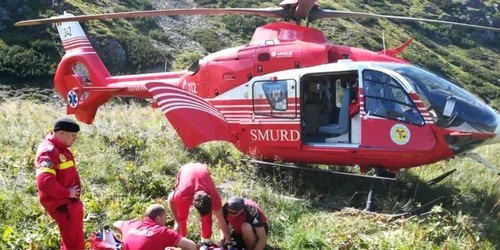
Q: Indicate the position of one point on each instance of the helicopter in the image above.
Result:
(289, 94)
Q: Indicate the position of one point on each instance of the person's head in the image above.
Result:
(66, 130)
(349, 80)
(235, 205)
(202, 203)
(157, 213)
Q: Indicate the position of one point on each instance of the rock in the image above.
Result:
(477, 17)
(179, 27)
(110, 49)
(476, 4)
(430, 9)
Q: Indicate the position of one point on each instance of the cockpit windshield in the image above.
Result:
(452, 107)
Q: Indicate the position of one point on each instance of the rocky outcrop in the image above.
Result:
(178, 28)
(111, 52)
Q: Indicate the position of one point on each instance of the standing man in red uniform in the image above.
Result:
(249, 223)
(151, 232)
(194, 186)
(58, 183)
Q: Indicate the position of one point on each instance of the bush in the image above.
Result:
(184, 60)
(24, 63)
(208, 39)
(141, 54)
(158, 35)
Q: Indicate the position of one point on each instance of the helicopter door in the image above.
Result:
(390, 118)
(271, 58)
(275, 120)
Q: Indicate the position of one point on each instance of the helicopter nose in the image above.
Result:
(497, 133)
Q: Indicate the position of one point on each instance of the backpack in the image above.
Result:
(97, 242)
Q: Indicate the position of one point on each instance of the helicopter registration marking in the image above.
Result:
(191, 86)
(400, 134)
(274, 135)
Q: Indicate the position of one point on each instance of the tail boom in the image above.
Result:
(84, 82)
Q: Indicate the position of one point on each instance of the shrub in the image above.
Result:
(141, 54)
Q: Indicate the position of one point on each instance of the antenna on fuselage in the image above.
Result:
(383, 40)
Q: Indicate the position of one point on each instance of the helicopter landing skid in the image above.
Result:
(414, 212)
(480, 159)
(388, 217)
(372, 179)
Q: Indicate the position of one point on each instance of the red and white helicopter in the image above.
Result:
(286, 94)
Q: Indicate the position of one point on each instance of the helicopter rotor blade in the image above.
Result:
(321, 13)
(268, 12)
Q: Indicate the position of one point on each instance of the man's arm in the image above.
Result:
(262, 238)
(186, 244)
(223, 225)
(46, 170)
(118, 225)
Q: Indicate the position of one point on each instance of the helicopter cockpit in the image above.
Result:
(450, 106)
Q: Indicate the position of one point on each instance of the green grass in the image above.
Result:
(129, 157)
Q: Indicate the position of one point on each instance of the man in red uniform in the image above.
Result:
(354, 105)
(151, 232)
(195, 186)
(58, 182)
(249, 223)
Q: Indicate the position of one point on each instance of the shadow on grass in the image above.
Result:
(407, 193)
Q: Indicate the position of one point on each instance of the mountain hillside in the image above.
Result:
(29, 55)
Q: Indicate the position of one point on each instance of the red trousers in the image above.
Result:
(70, 225)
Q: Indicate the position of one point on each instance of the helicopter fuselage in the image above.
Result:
(283, 96)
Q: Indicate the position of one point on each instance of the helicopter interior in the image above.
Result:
(325, 101)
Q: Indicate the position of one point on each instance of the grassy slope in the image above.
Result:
(129, 157)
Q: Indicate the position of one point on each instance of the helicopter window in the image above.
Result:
(384, 97)
(274, 94)
(339, 93)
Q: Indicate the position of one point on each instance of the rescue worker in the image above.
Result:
(58, 182)
(151, 233)
(194, 186)
(352, 81)
(249, 223)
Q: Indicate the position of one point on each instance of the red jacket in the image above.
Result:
(55, 172)
(252, 214)
(147, 235)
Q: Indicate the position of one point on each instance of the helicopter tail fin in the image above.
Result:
(393, 52)
(80, 67)
(195, 120)
(72, 36)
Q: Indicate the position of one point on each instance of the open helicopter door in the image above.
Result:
(390, 117)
